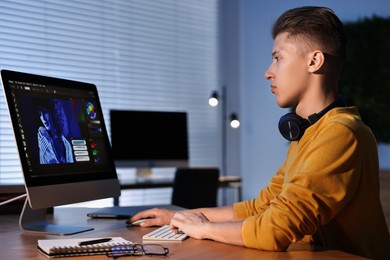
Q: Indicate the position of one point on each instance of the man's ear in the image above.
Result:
(316, 61)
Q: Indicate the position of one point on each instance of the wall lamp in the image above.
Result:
(233, 121)
(214, 100)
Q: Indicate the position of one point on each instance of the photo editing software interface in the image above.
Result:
(56, 129)
(61, 132)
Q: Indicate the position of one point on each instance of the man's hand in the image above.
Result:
(154, 217)
(191, 223)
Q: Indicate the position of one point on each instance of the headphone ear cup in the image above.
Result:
(292, 126)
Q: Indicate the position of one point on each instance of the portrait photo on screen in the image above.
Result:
(60, 131)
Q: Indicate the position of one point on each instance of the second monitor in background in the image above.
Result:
(149, 139)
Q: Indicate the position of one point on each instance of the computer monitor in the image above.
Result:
(149, 139)
(63, 146)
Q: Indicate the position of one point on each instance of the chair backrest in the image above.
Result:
(195, 187)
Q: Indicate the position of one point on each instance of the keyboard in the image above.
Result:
(164, 233)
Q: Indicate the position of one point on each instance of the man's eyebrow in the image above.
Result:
(275, 52)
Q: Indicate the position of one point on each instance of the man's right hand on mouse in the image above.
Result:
(153, 217)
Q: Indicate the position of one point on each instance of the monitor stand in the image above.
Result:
(34, 220)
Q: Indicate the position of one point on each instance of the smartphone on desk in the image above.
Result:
(114, 212)
(126, 212)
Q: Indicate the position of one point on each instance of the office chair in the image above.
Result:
(195, 187)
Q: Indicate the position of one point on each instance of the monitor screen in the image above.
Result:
(62, 140)
(148, 139)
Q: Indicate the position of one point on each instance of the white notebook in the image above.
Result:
(71, 247)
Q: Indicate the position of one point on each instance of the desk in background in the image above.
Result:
(16, 244)
(133, 183)
(167, 181)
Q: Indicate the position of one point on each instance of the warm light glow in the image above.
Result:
(213, 102)
(235, 123)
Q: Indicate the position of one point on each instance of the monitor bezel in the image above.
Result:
(109, 171)
(51, 191)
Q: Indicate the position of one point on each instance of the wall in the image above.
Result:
(262, 147)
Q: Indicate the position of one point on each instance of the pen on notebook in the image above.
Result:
(96, 241)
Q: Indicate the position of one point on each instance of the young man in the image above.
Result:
(327, 190)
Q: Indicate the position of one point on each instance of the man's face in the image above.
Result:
(288, 72)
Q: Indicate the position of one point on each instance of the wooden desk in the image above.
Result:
(149, 183)
(16, 244)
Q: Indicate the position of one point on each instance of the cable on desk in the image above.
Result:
(10, 200)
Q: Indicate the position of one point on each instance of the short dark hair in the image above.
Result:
(55, 108)
(317, 26)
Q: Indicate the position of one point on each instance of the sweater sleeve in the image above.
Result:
(257, 206)
(317, 184)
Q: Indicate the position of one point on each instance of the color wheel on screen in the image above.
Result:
(91, 110)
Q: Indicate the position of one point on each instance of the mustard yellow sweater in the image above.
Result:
(327, 190)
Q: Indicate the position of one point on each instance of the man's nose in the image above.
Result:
(267, 74)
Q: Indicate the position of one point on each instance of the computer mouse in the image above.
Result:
(135, 223)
